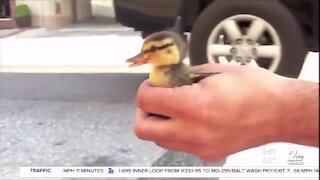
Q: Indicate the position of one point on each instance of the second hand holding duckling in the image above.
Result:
(165, 51)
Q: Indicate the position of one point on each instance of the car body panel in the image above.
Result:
(143, 13)
(155, 15)
(316, 24)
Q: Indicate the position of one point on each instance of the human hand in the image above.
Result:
(223, 114)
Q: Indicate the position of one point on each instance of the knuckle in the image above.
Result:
(201, 137)
(210, 158)
(142, 95)
(165, 145)
(204, 152)
(141, 132)
(210, 155)
(167, 135)
(140, 98)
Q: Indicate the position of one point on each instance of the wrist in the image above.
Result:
(271, 118)
(299, 115)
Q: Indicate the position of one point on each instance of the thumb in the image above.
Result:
(215, 67)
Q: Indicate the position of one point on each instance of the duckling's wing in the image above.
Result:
(196, 77)
(182, 74)
(178, 75)
(180, 79)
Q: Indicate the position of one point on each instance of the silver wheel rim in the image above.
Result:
(232, 43)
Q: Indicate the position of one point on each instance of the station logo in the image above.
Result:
(295, 157)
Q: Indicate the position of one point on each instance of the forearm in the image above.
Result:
(301, 112)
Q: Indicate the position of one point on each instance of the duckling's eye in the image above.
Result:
(153, 48)
(168, 51)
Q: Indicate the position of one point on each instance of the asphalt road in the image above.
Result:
(73, 120)
(81, 120)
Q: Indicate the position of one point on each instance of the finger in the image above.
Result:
(195, 149)
(153, 128)
(215, 81)
(217, 159)
(180, 146)
(171, 102)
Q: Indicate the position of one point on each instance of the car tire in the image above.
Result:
(148, 31)
(293, 47)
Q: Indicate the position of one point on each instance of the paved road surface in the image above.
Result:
(79, 121)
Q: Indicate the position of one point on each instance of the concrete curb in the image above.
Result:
(13, 33)
(25, 33)
(29, 33)
(109, 87)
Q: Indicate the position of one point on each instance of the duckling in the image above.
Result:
(165, 51)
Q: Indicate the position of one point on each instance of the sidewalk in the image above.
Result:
(91, 27)
(82, 49)
(10, 32)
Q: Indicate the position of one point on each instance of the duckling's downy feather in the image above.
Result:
(177, 39)
(170, 76)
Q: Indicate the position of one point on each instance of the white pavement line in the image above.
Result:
(95, 29)
(74, 69)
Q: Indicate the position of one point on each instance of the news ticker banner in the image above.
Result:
(301, 172)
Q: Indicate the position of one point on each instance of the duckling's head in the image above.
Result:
(163, 48)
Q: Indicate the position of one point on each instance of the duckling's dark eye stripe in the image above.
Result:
(155, 48)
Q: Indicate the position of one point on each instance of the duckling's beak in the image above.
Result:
(137, 60)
